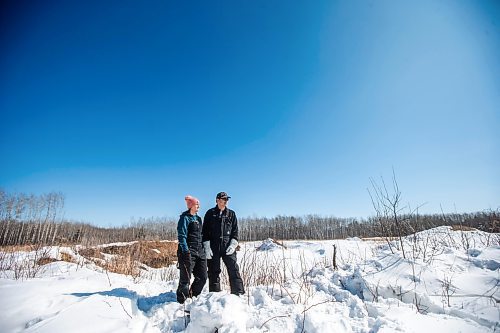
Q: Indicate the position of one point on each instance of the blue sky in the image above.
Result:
(290, 107)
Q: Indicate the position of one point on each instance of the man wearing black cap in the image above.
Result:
(220, 239)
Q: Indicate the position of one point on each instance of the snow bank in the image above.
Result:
(269, 245)
(448, 282)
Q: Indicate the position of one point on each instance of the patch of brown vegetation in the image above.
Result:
(67, 257)
(159, 254)
(457, 227)
(154, 254)
(379, 239)
(122, 265)
(129, 258)
(45, 261)
(19, 248)
(91, 252)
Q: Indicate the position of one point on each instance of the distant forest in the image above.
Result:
(31, 219)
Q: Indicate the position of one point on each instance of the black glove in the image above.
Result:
(186, 256)
(184, 259)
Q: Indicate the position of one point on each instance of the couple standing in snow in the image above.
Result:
(203, 245)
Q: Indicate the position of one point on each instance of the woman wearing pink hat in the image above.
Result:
(192, 258)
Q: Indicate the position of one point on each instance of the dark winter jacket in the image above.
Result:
(189, 233)
(219, 228)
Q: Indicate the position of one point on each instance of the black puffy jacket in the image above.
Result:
(219, 228)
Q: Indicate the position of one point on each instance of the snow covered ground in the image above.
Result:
(448, 281)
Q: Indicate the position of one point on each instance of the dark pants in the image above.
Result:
(198, 268)
(233, 271)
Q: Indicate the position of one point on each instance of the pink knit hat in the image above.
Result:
(191, 201)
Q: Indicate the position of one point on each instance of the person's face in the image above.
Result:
(222, 203)
(195, 208)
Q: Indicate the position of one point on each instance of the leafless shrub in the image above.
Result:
(282, 275)
(374, 291)
(448, 289)
(25, 265)
(123, 265)
(388, 208)
(308, 308)
(161, 274)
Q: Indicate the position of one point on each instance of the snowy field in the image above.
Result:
(447, 281)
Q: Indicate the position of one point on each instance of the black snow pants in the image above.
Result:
(235, 280)
(191, 265)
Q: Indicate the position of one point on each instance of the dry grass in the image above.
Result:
(154, 254)
(457, 227)
(18, 248)
(122, 265)
(45, 260)
(130, 258)
(127, 259)
(379, 239)
(90, 253)
(67, 257)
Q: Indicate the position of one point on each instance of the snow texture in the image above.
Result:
(448, 281)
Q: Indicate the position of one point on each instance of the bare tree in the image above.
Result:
(389, 211)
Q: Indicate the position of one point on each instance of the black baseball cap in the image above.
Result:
(222, 195)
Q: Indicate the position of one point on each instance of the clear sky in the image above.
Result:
(289, 106)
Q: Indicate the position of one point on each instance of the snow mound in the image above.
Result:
(218, 311)
(269, 245)
(445, 280)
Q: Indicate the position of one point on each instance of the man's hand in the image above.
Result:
(208, 250)
(232, 247)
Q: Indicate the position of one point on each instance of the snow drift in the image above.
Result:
(448, 281)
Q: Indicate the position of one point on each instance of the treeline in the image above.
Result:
(31, 219)
(158, 228)
(318, 227)
(38, 219)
